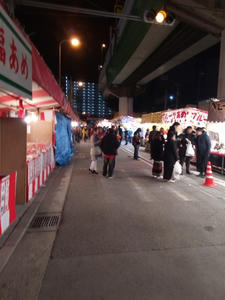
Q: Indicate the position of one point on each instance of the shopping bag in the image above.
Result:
(190, 151)
(177, 170)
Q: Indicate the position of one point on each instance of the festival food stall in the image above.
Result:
(151, 119)
(29, 94)
(40, 156)
(215, 129)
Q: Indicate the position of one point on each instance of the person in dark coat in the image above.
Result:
(126, 136)
(136, 142)
(174, 129)
(203, 147)
(157, 154)
(152, 133)
(170, 156)
(109, 146)
(183, 140)
(150, 137)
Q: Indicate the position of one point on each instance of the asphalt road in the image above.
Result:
(137, 238)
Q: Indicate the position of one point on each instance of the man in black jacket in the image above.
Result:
(203, 146)
(109, 146)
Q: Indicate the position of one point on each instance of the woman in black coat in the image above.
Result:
(170, 156)
(157, 154)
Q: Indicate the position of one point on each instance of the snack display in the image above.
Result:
(7, 200)
(40, 162)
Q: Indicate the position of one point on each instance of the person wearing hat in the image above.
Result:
(203, 147)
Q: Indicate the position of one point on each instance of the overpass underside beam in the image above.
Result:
(126, 106)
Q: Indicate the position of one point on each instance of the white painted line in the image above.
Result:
(145, 160)
(179, 195)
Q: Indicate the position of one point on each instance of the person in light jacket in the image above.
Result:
(95, 152)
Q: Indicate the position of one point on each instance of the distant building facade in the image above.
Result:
(86, 98)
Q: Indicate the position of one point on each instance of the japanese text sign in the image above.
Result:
(186, 117)
(15, 59)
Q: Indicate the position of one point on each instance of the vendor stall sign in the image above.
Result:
(217, 111)
(186, 117)
(15, 59)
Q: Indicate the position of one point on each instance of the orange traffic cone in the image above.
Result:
(209, 176)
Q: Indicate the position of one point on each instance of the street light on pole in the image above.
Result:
(103, 46)
(75, 42)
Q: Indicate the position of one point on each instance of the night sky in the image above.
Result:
(47, 28)
(195, 80)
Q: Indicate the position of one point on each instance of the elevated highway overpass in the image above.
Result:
(140, 52)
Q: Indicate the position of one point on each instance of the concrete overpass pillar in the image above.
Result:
(221, 80)
(126, 106)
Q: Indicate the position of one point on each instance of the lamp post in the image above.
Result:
(75, 42)
(103, 46)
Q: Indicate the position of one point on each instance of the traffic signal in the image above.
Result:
(159, 17)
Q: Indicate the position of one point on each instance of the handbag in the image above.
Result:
(97, 151)
(190, 151)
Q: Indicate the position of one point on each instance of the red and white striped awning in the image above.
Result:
(40, 99)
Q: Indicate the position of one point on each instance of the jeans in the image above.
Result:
(136, 149)
(108, 167)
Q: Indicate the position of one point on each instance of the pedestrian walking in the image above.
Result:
(109, 146)
(86, 134)
(186, 148)
(150, 137)
(170, 157)
(203, 147)
(152, 133)
(136, 142)
(157, 154)
(126, 136)
(95, 152)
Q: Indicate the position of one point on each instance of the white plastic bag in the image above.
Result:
(190, 151)
(177, 170)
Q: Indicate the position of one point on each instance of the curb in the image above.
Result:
(23, 223)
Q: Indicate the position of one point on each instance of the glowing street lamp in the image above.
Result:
(75, 42)
(103, 46)
(80, 84)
